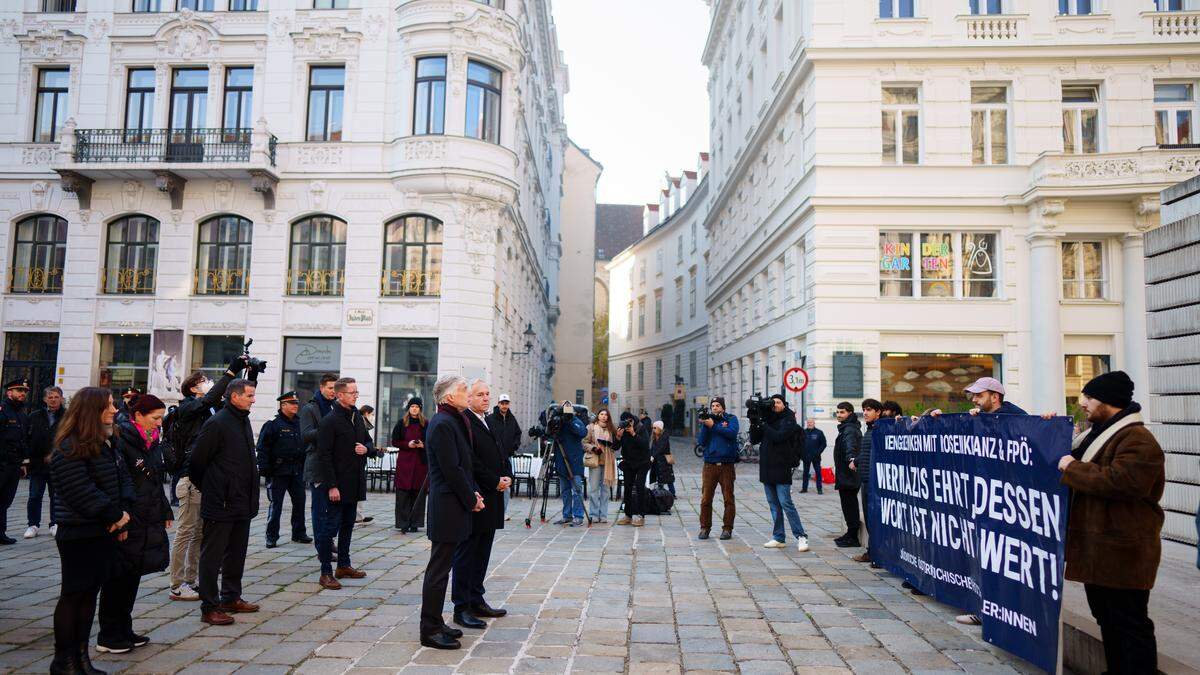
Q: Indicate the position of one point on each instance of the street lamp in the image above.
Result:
(529, 334)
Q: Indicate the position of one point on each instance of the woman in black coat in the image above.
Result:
(146, 549)
(93, 490)
(634, 442)
(661, 471)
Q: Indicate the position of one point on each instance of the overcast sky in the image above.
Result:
(639, 99)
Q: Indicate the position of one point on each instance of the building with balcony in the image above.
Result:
(369, 187)
(657, 327)
(906, 195)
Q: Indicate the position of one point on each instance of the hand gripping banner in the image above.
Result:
(969, 509)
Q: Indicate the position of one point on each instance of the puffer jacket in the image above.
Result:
(720, 443)
(661, 471)
(845, 448)
(146, 548)
(89, 494)
(862, 460)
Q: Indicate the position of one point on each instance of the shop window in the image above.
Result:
(407, 368)
(921, 382)
(305, 359)
(34, 357)
(124, 362)
(938, 264)
(212, 353)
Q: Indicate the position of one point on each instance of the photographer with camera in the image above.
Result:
(776, 433)
(571, 430)
(281, 461)
(718, 437)
(633, 439)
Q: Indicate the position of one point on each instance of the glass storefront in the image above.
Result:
(407, 368)
(919, 382)
(305, 360)
(124, 361)
(33, 356)
(212, 353)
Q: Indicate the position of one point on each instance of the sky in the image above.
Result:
(638, 100)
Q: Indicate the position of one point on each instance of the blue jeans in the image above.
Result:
(779, 496)
(572, 496)
(39, 484)
(330, 519)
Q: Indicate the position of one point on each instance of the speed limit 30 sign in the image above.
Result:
(795, 379)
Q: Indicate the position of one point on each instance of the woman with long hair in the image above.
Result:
(412, 466)
(93, 491)
(661, 471)
(598, 449)
(146, 548)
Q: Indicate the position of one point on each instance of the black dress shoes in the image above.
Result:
(271, 543)
(452, 632)
(468, 620)
(486, 610)
(302, 540)
(440, 641)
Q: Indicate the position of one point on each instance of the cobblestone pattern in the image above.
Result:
(600, 599)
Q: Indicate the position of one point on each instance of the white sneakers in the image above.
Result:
(772, 543)
(31, 532)
(184, 592)
(53, 530)
(801, 544)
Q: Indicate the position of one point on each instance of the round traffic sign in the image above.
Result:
(795, 379)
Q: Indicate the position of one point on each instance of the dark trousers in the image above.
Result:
(116, 608)
(39, 485)
(1125, 628)
(470, 567)
(849, 499)
(292, 486)
(223, 552)
(332, 519)
(813, 465)
(10, 478)
(635, 492)
(433, 588)
(410, 509)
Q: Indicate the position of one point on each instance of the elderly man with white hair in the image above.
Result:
(453, 496)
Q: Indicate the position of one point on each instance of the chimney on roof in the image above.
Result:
(664, 204)
(649, 218)
(689, 186)
(702, 166)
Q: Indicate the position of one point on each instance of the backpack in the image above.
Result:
(172, 445)
(798, 447)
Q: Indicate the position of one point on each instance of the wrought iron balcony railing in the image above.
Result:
(35, 280)
(316, 282)
(128, 281)
(195, 146)
(411, 282)
(221, 282)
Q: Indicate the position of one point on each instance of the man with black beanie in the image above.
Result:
(1116, 475)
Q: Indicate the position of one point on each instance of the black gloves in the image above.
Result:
(237, 364)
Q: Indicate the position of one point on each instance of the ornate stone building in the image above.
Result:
(365, 186)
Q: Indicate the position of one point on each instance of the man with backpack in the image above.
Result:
(778, 457)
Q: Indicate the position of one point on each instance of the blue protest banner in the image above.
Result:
(969, 509)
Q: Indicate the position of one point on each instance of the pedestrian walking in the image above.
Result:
(662, 466)
(600, 461)
(340, 482)
(778, 455)
(281, 461)
(453, 497)
(43, 424)
(508, 434)
(845, 448)
(92, 489)
(412, 467)
(718, 437)
(872, 410)
(814, 447)
(224, 469)
(633, 440)
(1116, 474)
(14, 448)
(145, 549)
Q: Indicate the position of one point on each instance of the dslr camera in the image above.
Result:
(253, 365)
(702, 413)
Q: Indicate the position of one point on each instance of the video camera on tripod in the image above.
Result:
(553, 417)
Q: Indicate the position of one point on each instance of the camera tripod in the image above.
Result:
(555, 449)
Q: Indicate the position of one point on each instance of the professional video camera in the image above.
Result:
(553, 417)
(757, 408)
(253, 364)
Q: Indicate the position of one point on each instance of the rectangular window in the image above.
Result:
(1075, 7)
(305, 359)
(139, 104)
(945, 264)
(189, 110)
(658, 310)
(629, 324)
(692, 293)
(692, 368)
(331, 4)
(641, 375)
(579, 396)
(678, 368)
(243, 5)
(58, 5)
(1174, 110)
(693, 237)
(51, 109)
(429, 101)
(1081, 119)
(211, 354)
(1083, 270)
(407, 369)
(239, 97)
(195, 5)
(989, 124)
(642, 316)
(124, 362)
(147, 5)
(678, 301)
(987, 6)
(628, 377)
(1176, 5)
(326, 89)
(483, 102)
(679, 249)
(901, 125)
(897, 9)
(658, 373)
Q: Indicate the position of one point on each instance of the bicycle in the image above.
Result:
(747, 451)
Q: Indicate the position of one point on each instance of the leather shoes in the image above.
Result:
(468, 620)
(216, 618)
(440, 641)
(348, 573)
(703, 534)
(726, 534)
(302, 540)
(452, 632)
(239, 606)
(271, 543)
(327, 581)
(486, 610)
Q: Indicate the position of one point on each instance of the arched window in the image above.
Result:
(39, 250)
(223, 256)
(317, 265)
(131, 257)
(412, 256)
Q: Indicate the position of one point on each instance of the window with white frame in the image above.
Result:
(678, 301)
(658, 310)
(989, 124)
(629, 324)
(641, 375)
(1176, 5)
(658, 373)
(642, 316)
(679, 249)
(987, 6)
(1078, 7)
(628, 377)
(678, 370)
(692, 292)
(939, 264)
(901, 125)
(658, 262)
(897, 9)
(1174, 110)
(1081, 119)
(693, 238)
(1083, 270)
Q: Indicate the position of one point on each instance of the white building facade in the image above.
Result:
(658, 331)
(905, 196)
(366, 187)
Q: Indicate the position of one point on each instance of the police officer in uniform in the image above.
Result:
(281, 461)
(14, 450)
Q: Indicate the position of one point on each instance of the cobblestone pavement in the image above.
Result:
(600, 599)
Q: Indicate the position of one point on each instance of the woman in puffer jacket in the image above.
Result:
(146, 549)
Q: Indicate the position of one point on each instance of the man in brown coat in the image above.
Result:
(1116, 475)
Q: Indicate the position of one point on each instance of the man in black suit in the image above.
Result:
(493, 475)
(453, 496)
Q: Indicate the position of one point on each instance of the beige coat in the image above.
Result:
(607, 458)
